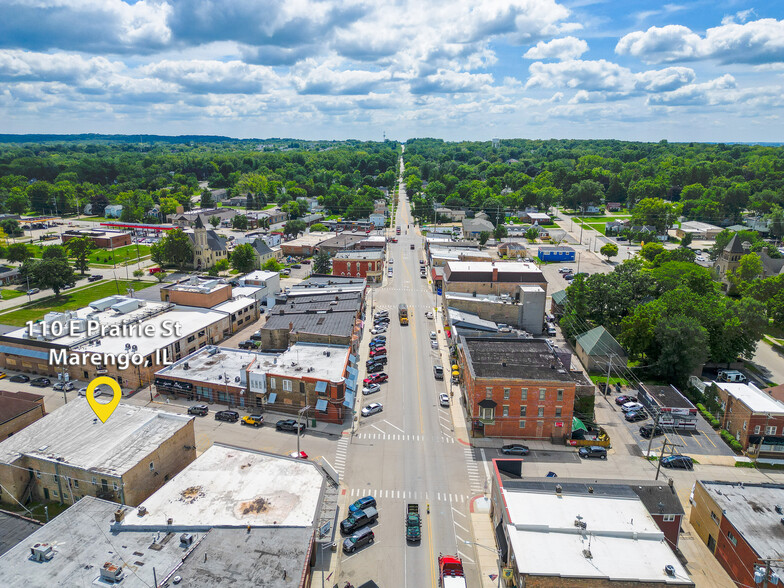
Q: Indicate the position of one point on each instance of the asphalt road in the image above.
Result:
(408, 452)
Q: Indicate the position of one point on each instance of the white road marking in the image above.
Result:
(461, 526)
(464, 556)
(458, 512)
(393, 426)
(377, 429)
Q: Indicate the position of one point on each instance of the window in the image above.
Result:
(756, 429)
(506, 393)
(770, 430)
(56, 478)
(487, 414)
(273, 384)
(191, 338)
(506, 410)
(733, 539)
(714, 517)
(558, 411)
(542, 392)
(524, 394)
(488, 392)
(95, 481)
(523, 410)
(76, 484)
(287, 385)
(55, 494)
(744, 425)
(669, 518)
(541, 411)
(522, 424)
(115, 486)
(559, 398)
(152, 466)
(38, 474)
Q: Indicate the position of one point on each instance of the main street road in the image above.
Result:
(408, 452)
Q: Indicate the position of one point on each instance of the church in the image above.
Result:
(208, 247)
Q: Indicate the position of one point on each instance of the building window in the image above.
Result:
(770, 430)
(669, 518)
(733, 539)
(95, 481)
(541, 411)
(542, 392)
(38, 474)
(522, 424)
(273, 384)
(56, 478)
(191, 338)
(76, 484)
(523, 410)
(287, 385)
(756, 429)
(559, 398)
(488, 392)
(487, 414)
(524, 394)
(506, 410)
(557, 411)
(506, 393)
(55, 494)
(744, 425)
(152, 466)
(714, 518)
(115, 486)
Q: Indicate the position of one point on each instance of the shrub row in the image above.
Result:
(714, 422)
(730, 440)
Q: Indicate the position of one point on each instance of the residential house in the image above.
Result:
(597, 349)
(113, 211)
(613, 207)
(472, 227)
(379, 219)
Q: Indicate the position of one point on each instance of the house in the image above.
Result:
(113, 211)
(261, 249)
(771, 266)
(18, 410)
(698, 230)
(555, 254)
(8, 275)
(123, 460)
(312, 219)
(516, 388)
(597, 349)
(613, 207)
(615, 227)
(512, 249)
(592, 209)
(585, 532)
(491, 277)
(101, 238)
(208, 247)
(230, 517)
(754, 418)
(363, 264)
(538, 218)
(472, 227)
(379, 219)
(741, 524)
(673, 408)
(204, 215)
(239, 201)
(451, 214)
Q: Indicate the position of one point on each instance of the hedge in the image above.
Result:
(714, 422)
(730, 440)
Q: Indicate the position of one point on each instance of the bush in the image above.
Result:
(138, 273)
(745, 464)
(730, 440)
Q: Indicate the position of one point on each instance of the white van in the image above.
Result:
(731, 376)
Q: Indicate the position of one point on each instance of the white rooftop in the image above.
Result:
(212, 363)
(297, 359)
(230, 486)
(753, 397)
(73, 433)
(700, 226)
(489, 266)
(258, 276)
(235, 304)
(624, 541)
(249, 291)
(199, 285)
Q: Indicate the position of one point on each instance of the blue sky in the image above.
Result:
(457, 69)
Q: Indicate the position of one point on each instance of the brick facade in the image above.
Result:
(370, 269)
(101, 239)
(187, 297)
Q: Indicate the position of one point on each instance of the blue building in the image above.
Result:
(556, 254)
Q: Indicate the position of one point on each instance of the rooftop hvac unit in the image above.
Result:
(185, 366)
(41, 552)
(111, 572)
(236, 378)
(186, 538)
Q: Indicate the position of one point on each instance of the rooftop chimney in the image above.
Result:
(495, 273)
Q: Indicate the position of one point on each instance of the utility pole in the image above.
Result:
(664, 446)
(653, 432)
(768, 571)
(607, 385)
(299, 422)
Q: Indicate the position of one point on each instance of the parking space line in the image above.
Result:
(376, 428)
(461, 526)
(464, 556)
(393, 426)
(458, 512)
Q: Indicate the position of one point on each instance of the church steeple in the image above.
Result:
(199, 224)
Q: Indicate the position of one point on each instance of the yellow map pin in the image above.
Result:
(103, 411)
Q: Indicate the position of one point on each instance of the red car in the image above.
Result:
(376, 379)
(378, 351)
(621, 400)
(155, 270)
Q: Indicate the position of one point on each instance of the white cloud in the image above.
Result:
(450, 82)
(28, 66)
(563, 49)
(323, 79)
(222, 77)
(756, 42)
(694, 94)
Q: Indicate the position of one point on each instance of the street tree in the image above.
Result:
(321, 263)
(79, 249)
(484, 236)
(243, 258)
(532, 234)
(240, 222)
(215, 221)
(294, 227)
(176, 248)
(650, 250)
(500, 231)
(52, 272)
(18, 252)
(272, 265)
(609, 250)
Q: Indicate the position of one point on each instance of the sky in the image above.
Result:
(696, 70)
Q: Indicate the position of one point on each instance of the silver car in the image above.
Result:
(371, 409)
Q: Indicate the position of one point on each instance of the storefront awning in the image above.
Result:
(272, 398)
(578, 425)
(321, 387)
(349, 401)
(352, 358)
(321, 405)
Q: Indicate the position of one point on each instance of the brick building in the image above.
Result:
(17, 410)
(362, 264)
(516, 388)
(69, 454)
(755, 418)
(101, 238)
(197, 291)
(490, 277)
(741, 524)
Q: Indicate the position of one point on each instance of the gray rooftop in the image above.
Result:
(668, 396)
(15, 528)
(210, 363)
(340, 324)
(526, 359)
(371, 254)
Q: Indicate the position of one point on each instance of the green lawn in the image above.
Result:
(70, 300)
(121, 255)
(9, 294)
(98, 219)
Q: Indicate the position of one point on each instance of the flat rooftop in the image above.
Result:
(308, 239)
(365, 254)
(234, 487)
(339, 324)
(668, 396)
(327, 362)
(482, 297)
(751, 510)
(527, 359)
(258, 276)
(235, 304)
(15, 528)
(72, 435)
(623, 539)
(327, 285)
(197, 285)
(753, 397)
(209, 364)
(482, 271)
(249, 291)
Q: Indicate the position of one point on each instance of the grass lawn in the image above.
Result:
(9, 294)
(97, 219)
(69, 300)
(37, 508)
(600, 379)
(121, 255)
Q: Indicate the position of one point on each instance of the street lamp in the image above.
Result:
(299, 422)
(494, 550)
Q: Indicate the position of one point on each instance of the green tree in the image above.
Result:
(160, 276)
(680, 347)
(321, 263)
(222, 265)
(319, 228)
(272, 265)
(79, 249)
(206, 201)
(687, 239)
(484, 236)
(500, 231)
(240, 222)
(609, 250)
(243, 258)
(673, 274)
(215, 221)
(138, 273)
(17, 201)
(775, 220)
(749, 268)
(176, 248)
(294, 227)
(19, 253)
(168, 206)
(11, 227)
(584, 193)
(52, 272)
(650, 250)
(532, 234)
(654, 212)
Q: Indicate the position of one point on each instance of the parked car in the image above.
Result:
(371, 389)
(289, 425)
(568, 277)
(362, 537)
(362, 504)
(621, 400)
(551, 332)
(593, 451)
(374, 361)
(253, 420)
(256, 336)
(296, 266)
(63, 386)
(21, 378)
(433, 336)
(298, 455)
(375, 379)
(3, 375)
(631, 406)
(378, 351)
(636, 415)
(229, 416)
(438, 372)
(429, 315)
(434, 344)
(96, 393)
(32, 291)
(247, 344)
(682, 462)
(649, 431)
(564, 270)
(199, 410)
(372, 409)
(375, 368)
(358, 519)
(514, 449)
(41, 382)
(378, 330)
(95, 278)
(443, 399)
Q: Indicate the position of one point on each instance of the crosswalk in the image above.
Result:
(475, 480)
(410, 495)
(403, 437)
(341, 455)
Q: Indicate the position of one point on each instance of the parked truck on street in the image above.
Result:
(413, 523)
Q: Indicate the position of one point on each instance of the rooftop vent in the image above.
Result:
(141, 511)
(185, 366)
(778, 509)
(669, 570)
(41, 552)
(579, 523)
(558, 489)
(119, 514)
(186, 538)
(111, 573)
(587, 554)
